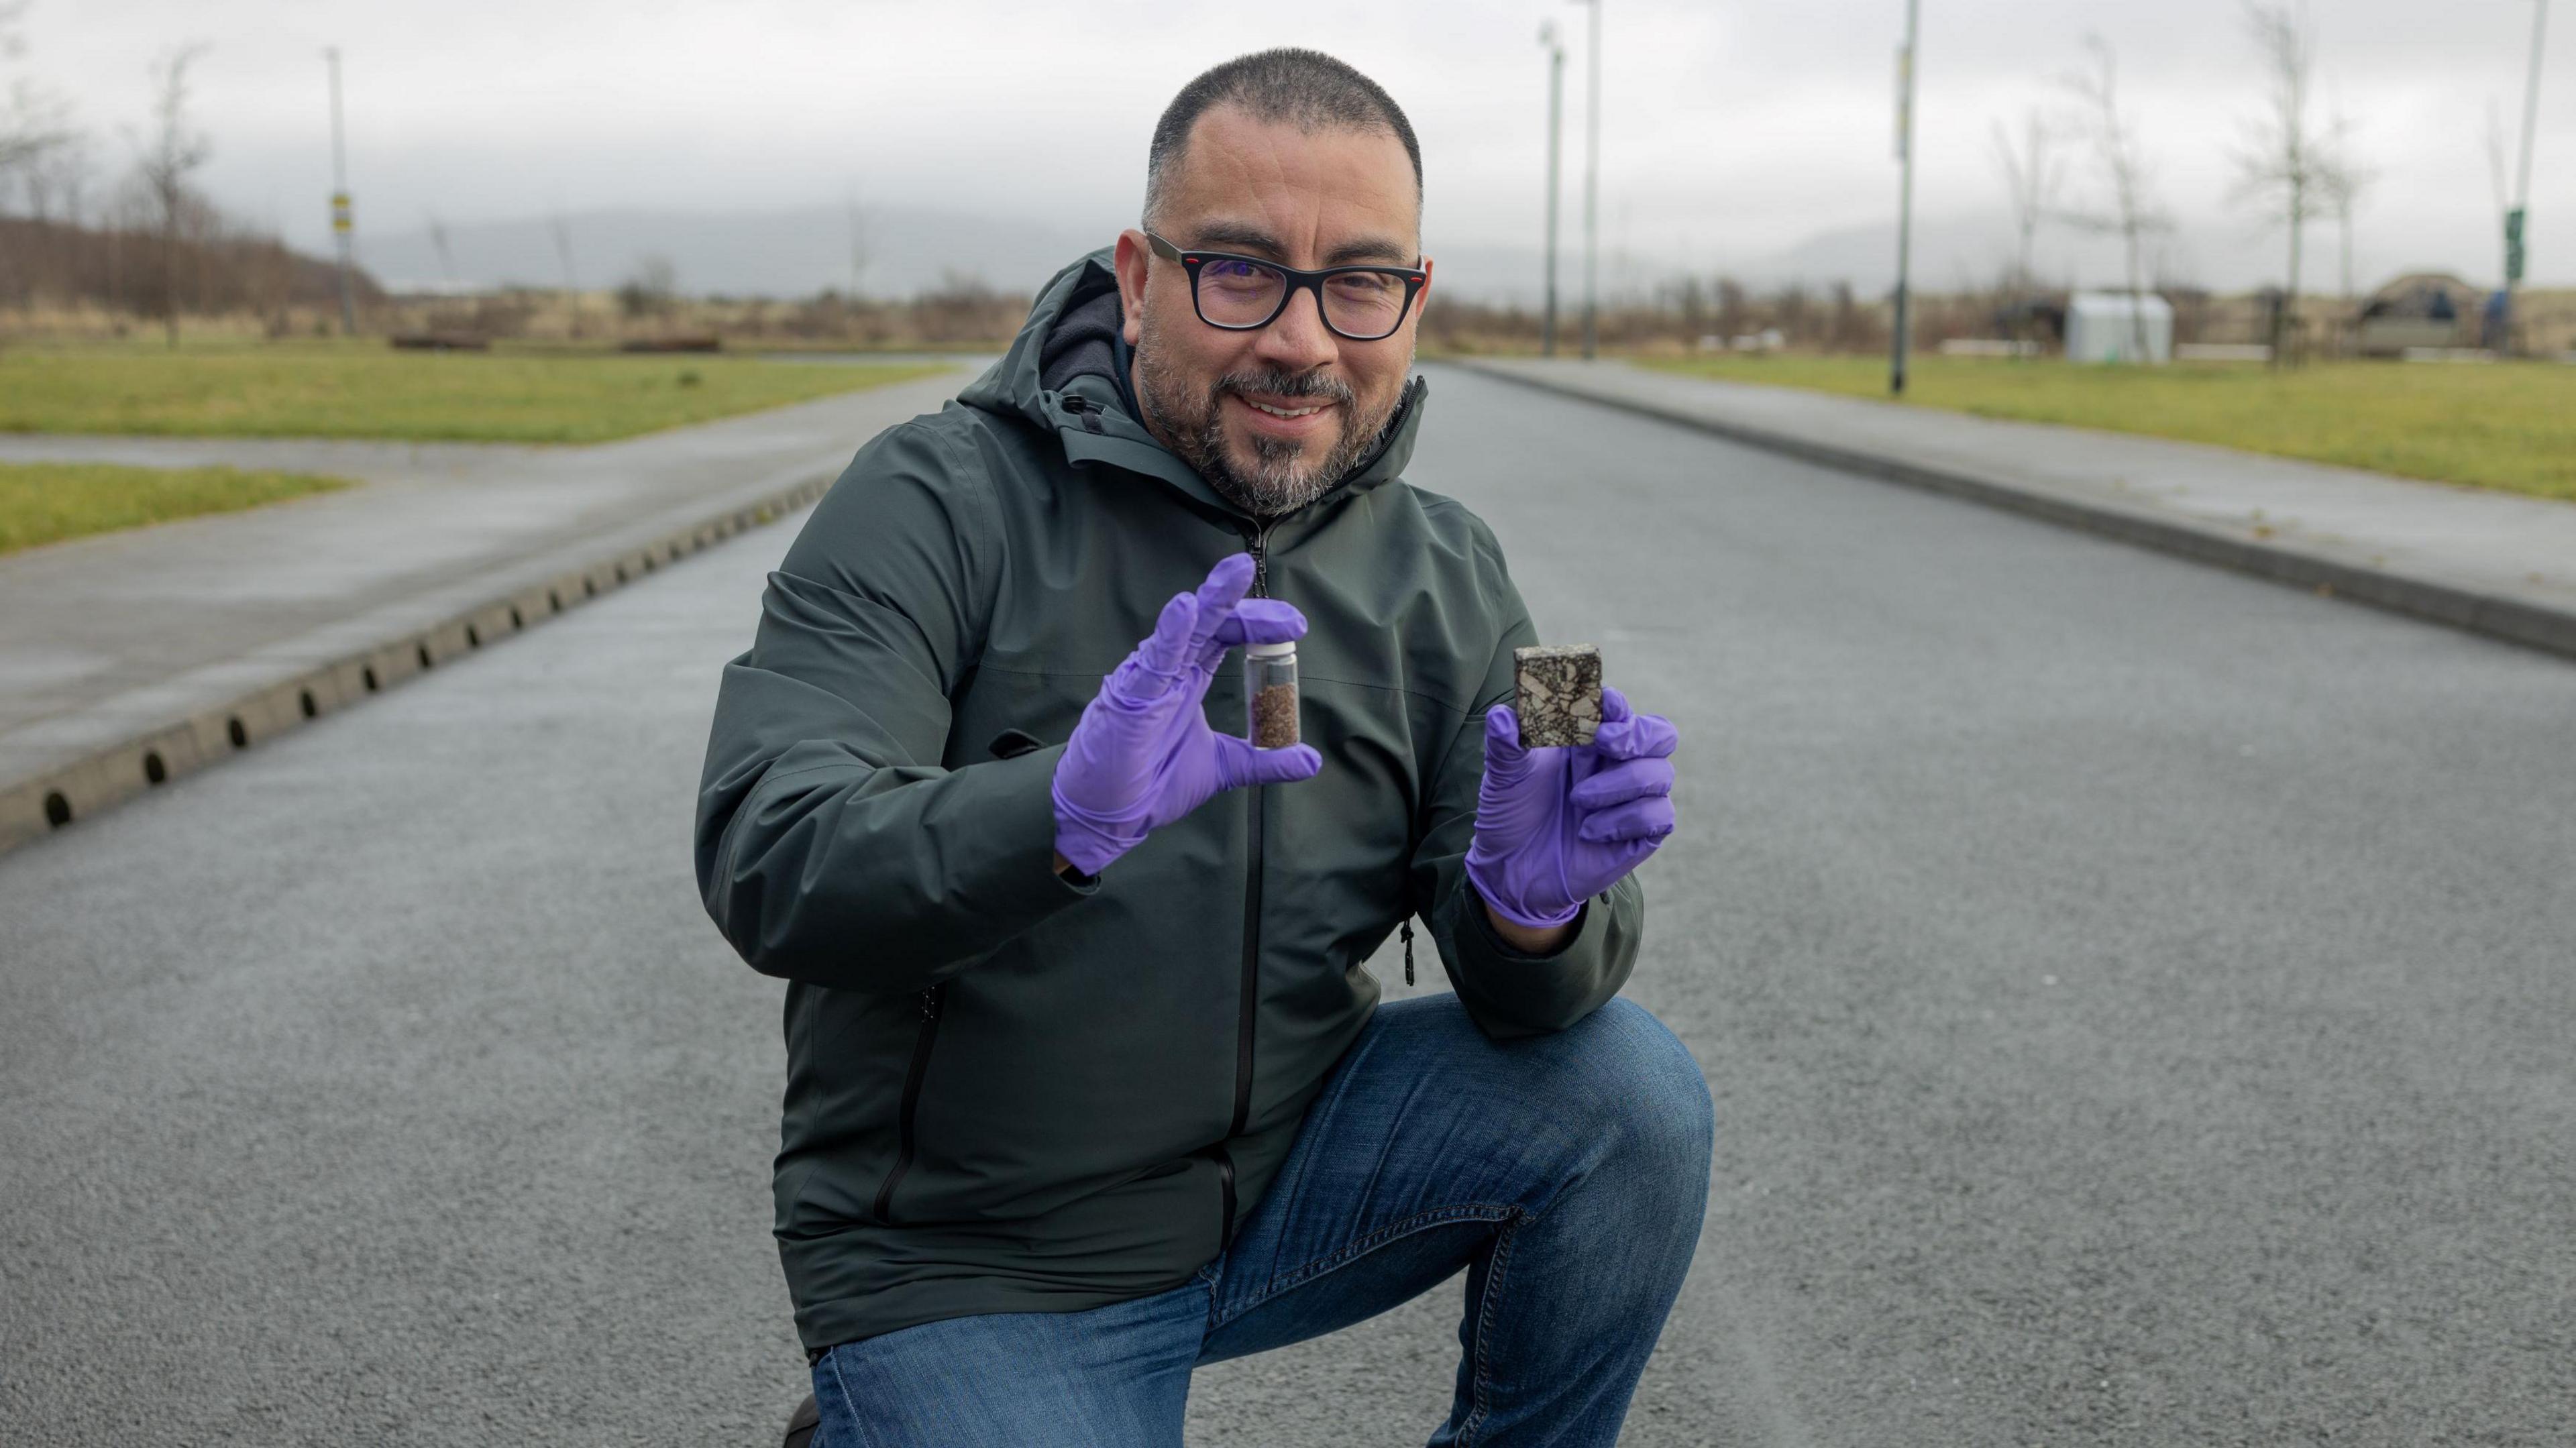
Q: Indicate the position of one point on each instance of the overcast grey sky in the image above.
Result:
(1733, 130)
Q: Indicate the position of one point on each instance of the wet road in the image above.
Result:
(2136, 1000)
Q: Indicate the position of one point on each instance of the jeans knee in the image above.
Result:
(1651, 1093)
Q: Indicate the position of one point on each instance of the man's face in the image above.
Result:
(1307, 200)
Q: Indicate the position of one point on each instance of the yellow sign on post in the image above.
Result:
(340, 211)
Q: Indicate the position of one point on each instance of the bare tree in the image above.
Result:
(56, 183)
(2033, 173)
(438, 241)
(35, 126)
(47, 157)
(1689, 296)
(13, 44)
(35, 129)
(2344, 190)
(2127, 205)
(654, 289)
(1734, 308)
(171, 154)
(2288, 167)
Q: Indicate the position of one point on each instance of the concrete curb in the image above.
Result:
(2495, 615)
(103, 756)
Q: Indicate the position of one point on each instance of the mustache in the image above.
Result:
(1284, 384)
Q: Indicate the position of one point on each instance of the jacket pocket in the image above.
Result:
(910, 1110)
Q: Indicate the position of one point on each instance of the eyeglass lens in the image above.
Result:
(1362, 304)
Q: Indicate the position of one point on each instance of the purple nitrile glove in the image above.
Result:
(1143, 755)
(1555, 827)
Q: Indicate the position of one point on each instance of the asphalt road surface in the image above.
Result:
(2137, 1000)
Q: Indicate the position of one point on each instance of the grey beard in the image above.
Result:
(1276, 484)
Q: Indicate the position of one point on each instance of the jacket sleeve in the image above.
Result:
(832, 845)
(1508, 993)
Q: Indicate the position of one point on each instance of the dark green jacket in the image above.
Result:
(1006, 1093)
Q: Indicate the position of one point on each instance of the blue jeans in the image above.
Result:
(1567, 1173)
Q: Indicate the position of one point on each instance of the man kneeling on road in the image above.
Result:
(1087, 1080)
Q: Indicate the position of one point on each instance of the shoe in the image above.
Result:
(801, 1424)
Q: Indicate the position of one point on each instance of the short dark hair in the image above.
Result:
(1303, 88)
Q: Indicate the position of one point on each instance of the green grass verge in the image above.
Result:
(48, 502)
(324, 390)
(2507, 425)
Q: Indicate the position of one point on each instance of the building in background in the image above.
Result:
(2118, 327)
(2423, 309)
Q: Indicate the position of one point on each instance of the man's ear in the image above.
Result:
(1130, 262)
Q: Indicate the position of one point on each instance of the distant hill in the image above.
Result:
(798, 253)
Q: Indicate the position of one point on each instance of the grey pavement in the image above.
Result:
(2496, 562)
(2135, 997)
(110, 638)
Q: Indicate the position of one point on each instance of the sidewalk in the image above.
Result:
(2494, 563)
(130, 658)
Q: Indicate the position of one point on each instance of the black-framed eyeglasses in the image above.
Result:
(1246, 294)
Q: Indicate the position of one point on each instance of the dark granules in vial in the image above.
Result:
(1274, 717)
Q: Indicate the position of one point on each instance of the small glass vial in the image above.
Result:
(1270, 689)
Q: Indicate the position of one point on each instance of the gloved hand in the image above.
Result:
(1555, 827)
(1143, 755)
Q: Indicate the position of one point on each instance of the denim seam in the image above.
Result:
(849, 1406)
(1352, 1251)
(1485, 1311)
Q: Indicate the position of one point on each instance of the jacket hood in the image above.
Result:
(1065, 372)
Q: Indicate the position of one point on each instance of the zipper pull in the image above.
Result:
(1259, 545)
(1406, 930)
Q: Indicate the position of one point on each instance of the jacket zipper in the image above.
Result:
(930, 1002)
(1249, 992)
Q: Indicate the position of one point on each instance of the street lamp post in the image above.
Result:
(1592, 188)
(2516, 220)
(1555, 128)
(341, 223)
(1904, 205)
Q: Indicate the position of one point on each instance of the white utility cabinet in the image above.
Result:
(2106, 327)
